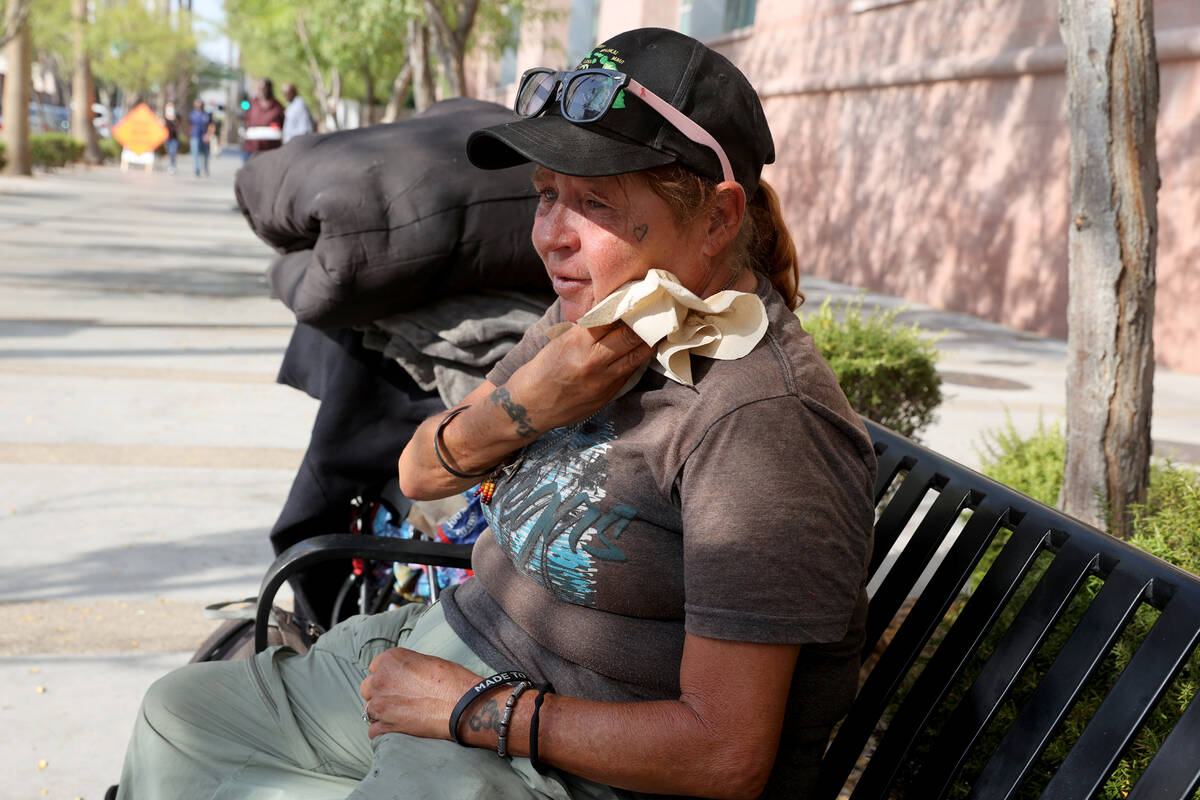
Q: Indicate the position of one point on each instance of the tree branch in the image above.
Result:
(399, 89)
(18, 16)
(314, 69)
(438, 18)
(466, 20)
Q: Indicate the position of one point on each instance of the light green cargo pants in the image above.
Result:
(283, 725)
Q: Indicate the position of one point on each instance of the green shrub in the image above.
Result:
(886, 369)
(1032, 466)
(52, 150)
(1166, 526)
(110, 149)
(3, 161)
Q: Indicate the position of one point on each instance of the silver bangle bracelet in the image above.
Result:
(506, 717)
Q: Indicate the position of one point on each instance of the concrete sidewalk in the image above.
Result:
(145, 449)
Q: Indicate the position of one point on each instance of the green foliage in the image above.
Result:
(1168, 523)
(886, 369)
(346, 36)
(1032, 466)
(51, 28)
(3, 160)
(135, 46)
(52, 150)
(110, 149)
(351, 37)
(1166, 526)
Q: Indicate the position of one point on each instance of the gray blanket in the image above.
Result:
(450, 344)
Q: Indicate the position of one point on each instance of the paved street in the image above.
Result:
(145, 449)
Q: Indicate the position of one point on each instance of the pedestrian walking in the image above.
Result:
(297, 120)
(264, 122)
(202, 130)
(171, 122)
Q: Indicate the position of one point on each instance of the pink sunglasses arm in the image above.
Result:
(683, 124)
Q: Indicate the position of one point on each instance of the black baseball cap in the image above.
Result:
(692, 77)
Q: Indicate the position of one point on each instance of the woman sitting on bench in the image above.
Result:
(676, 554)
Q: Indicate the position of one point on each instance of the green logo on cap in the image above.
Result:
(598, 59)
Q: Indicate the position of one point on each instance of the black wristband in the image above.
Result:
(475, 691)
(534, 722)
(437, 449)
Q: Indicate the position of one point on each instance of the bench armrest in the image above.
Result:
(347, 545)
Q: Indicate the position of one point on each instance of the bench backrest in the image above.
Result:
(962, 680)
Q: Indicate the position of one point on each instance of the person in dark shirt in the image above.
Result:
(171, 122)
(672, 586)
(264, 122)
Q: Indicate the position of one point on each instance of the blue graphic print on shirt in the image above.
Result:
(547, 515)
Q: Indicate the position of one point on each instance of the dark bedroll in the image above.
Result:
(963, 691)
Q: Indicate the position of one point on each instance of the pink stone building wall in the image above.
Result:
(923, 152)
(923, 149)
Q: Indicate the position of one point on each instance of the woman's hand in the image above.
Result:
(575, 374)
(568, 380)
(409, 692)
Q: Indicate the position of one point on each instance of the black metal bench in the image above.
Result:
(927, 721)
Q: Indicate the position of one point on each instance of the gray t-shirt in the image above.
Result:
(739, 508)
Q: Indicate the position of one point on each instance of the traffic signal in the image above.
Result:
(245, 103)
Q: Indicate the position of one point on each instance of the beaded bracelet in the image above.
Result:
(437, 450)
(472, 694)
(506, 717)
(534, 722)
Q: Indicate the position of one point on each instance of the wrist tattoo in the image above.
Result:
(486, 718)
(516, 412)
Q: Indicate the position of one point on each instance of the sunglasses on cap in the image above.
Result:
(586, 95)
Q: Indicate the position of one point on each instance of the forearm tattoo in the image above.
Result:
(516, 412)
(486, 718)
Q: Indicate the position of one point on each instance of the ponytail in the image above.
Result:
(770, 247)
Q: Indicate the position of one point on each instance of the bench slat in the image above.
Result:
(889, 461)
(926, 614)
(998, 675)
(953, 654)
(911, 563)
(1174, 772)
(1139, 688)
(1050, 702)
(916, 484)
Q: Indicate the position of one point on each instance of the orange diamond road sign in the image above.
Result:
(140, 130)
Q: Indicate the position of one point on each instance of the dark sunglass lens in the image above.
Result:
(535, 92)
(588, 96)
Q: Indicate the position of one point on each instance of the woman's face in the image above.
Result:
(596, 234)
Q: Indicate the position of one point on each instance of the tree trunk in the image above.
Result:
(335, 96)
(1112, 99)
(184, 77)
(418, 57)
(368, 117)
(82, 90)
(399, 92)
(328, 105)
(452, 42)
(18, 88)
